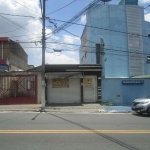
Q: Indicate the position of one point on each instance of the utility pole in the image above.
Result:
(43, 58)
(98, 49)
(99, 60)
(101, 55)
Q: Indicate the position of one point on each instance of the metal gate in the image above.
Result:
(21, 89)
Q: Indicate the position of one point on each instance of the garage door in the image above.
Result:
(63, 90)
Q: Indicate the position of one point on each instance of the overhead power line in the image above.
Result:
(76, 50)
(84, 26)
(17, 15)
(25, 6)
(90, 40)
(61, 43)
(41, 6)
(135, 56)
(79, 37)
(76, 17)
(107, 49)
(15, 24)
(61, 8)
(110, 49)
(99, 28)
(21, 27)
(147, 6)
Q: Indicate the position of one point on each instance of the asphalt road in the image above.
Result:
(36, 131)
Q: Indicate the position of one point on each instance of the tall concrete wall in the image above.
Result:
(146, 45)
(17, 50)
(15, 54)
(114, 91)
(108, 19)
(109, 22)
(5, 50)
(17, 63)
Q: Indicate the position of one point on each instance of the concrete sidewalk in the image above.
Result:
(66, 108)
(118, 109)
(32, 107)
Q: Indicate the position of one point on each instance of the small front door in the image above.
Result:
(90, 89)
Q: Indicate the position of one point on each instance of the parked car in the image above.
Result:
(141, 105)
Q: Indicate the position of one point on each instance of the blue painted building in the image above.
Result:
(126, 46)
(122, 91)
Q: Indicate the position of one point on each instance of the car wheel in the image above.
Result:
(140, 113)
(149, 111)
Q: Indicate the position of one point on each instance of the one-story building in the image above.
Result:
(64, 84)
(72, 83)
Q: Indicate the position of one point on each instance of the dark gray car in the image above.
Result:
(141, 105)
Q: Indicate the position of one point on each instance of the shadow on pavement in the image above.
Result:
(141, 115)
(63, 104)
(123, 144)
(36, 116)
(68, 104)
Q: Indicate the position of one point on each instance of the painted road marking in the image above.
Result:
(74, 131)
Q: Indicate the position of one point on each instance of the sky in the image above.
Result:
(21, 22)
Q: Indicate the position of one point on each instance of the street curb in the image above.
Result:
(116, 111)
(65, 111)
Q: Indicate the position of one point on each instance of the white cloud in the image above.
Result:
(147, 17)
(62, 59)
(70, 39)
(83, 19)
(20, 29)
(144, 1)
(29, 29)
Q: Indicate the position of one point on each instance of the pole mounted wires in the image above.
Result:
(147, 6)
(61, 7)
(76, 17)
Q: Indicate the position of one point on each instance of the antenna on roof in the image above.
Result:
(105, 1)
